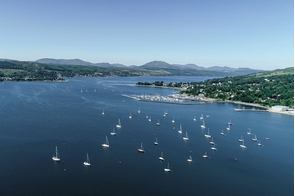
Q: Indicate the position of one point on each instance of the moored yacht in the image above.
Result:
(207, 135)
(203, 125)
(141, 150)
(190, 159)
(56, 156)
(106, 144)
(254, 139)
(212, 143)
(167, 169)
(186, 136)
(161, 158)
(180, 129)
(158, 123)
(241, 140)
(156, 142)
(243, 145)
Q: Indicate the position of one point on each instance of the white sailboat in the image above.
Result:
(212, 143)
(81, 90)
(241, 140)
(102, 112)
(130, 116)
(87, 162)
(243, 145)
(161, 157)
(249, 132)
(207, 135)
(141, 150)
(229, 122)
(114, 132)
(258, 144)
(203, 125)
(156, 142)
(166, 113)
(106, 144)
(119, 124)
(202, 117)
(56, 156)
(222, 132)
(205, 155)
(180, 129)
(254, 139)
(228, 128)
(195, 118)
(214, 148)
(173, 120)
(186, 136)
(150, 119)
(190, 159)
(167, 169)
(138, 111)
(158, 123)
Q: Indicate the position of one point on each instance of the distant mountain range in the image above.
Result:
(151, 66)
(75, 62)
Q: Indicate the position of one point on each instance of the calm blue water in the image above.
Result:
(37, 116)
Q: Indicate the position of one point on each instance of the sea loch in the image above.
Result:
(38, 116)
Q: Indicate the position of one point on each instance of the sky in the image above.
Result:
(256, 34)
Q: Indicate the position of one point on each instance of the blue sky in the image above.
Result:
(235, 33)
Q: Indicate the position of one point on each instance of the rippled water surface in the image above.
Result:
(37, 116)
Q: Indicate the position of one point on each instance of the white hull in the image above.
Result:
(203, 126)
(167, 170)
(213, 148)
(113, 134)
(185, 138)
(158, 124)
(212, 143)
(240, 140)
(55, 159)
(179, 131)
(105, 145)
(141, 150)
(118, 126)
(156, 143)
(161, 159)
(208, 136)
(189, 160)
(205, 156)
(86, 163)
(243, 146)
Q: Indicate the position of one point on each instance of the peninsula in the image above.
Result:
(263, 90)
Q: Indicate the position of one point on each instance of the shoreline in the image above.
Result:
(211, 100)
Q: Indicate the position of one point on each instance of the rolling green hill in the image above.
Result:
(35, 71)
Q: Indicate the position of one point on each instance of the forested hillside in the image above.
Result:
(267, 89)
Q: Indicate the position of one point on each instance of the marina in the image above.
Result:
(162, 99)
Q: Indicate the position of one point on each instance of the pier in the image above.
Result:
(249, 110)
